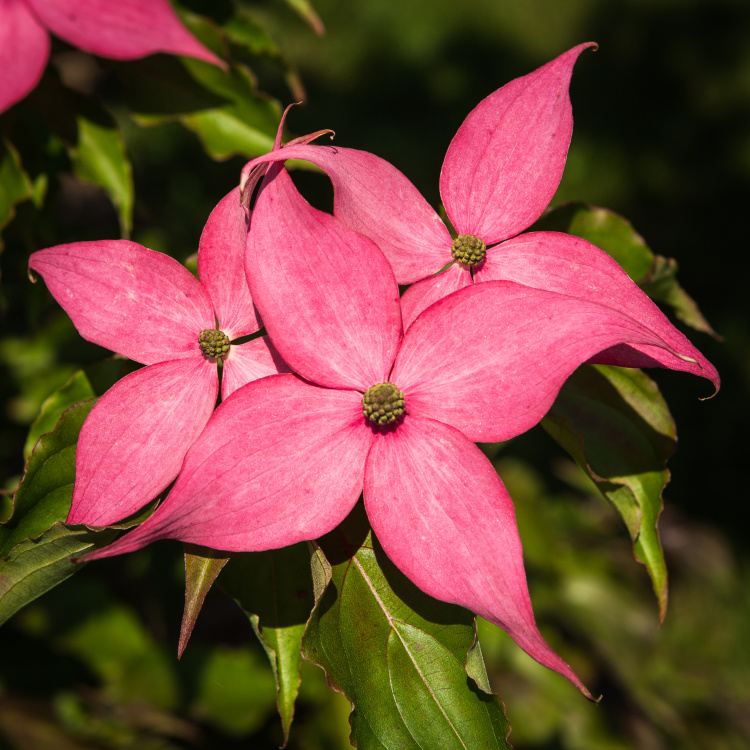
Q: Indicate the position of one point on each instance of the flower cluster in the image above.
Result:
(357, 390)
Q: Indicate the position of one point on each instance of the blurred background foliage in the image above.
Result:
(661, 137)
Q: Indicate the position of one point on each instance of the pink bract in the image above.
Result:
(286, 457)
(118, 29)
(500, 172)
(146, 306)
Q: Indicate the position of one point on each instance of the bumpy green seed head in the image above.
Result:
(468, 250)
(383, 404)
(214, 343)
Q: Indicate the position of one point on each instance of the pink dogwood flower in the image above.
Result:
(501, 170)
(371, 410)
(118, 29)
(146, 306)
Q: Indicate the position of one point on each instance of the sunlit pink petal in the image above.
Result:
(491, 358)
(24, 49)
(280, 461)
(420, 296)
(374, 198)
(133, 442)
(563, 263)
(250, 361)
(505, 162)
(221, 267)
(127, 298)
(326, 294)
(445, 519)
(120, 29)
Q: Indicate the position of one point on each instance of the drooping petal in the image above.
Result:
(374, 198)
(505, 162)
(127, 298)
(570, 265)
(121, 30)
(250, 361)
(281, 461)
(133, 442)
(491, 358)
(221, 267)
(326, 294)
(24, 49)
(420, 296)
(445, 519)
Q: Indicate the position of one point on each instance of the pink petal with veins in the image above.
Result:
(121, 30)
(133, 442)
(491, 358)
(24, 49)
(250, 361)
(221, 267)
(280, 462)
(570, 265)
(445, 519)
(326, 294)
(505, 162)
(127, 298)
(418, 297)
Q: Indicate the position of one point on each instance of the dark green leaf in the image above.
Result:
(399, 656)
(275, 590)
(616, 425)
(16, 186)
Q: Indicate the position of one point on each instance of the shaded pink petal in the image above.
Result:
(133, 442)
(374, 198)
(24, 49)
(326, 294)
(420, 296)
(127, 298)
(491, 358)
(250, 361)
(280, 461)
(122, 30)
(221, 267)
(563, 263)
(445, 519)
(505, 162)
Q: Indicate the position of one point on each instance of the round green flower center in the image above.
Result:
(214, 343)
(468, 250)
(383, 404)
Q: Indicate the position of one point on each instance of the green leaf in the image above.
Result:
(275, 591)
(616, 236)
(616, 425)
(99, 157)
(399, 656)
(202, 567)
(78, 388)
(15, 185)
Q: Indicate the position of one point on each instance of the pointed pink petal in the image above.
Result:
(491, 358)
(569, 265)
(221, 267)
(127, 298)
(121, 30)
(445, 519)
(133, 442)
(374, 198)
(326, 294)
(250, 361)
(24, 49)
(281, 461)
(420, 296)
(505, 162)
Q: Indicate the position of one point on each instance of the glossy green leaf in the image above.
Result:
(399, 656)
(99, 157)
(616, 425)
(15, 185)
(615, 235)
(275, 591)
